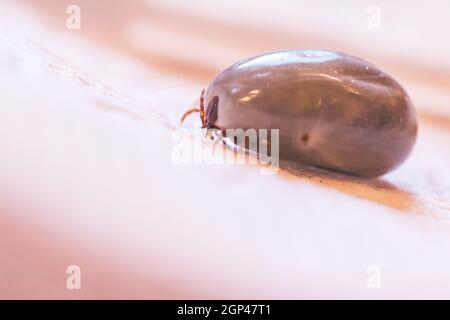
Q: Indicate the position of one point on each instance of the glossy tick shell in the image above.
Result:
(333, 110)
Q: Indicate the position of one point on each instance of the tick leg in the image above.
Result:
(190, 111)
(202, 109)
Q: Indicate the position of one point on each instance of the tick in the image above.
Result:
(332, 110)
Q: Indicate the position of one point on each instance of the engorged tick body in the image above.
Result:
(333, 110)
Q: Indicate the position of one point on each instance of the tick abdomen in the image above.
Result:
(332, 110)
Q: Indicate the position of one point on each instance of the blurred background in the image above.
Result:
(197, 39)
(91, 93)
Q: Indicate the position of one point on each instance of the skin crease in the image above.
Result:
(333, 110)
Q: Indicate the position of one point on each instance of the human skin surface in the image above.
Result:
(87, 176)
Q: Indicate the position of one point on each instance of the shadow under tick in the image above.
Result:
(377, 190)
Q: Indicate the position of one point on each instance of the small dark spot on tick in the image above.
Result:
(305, 138)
